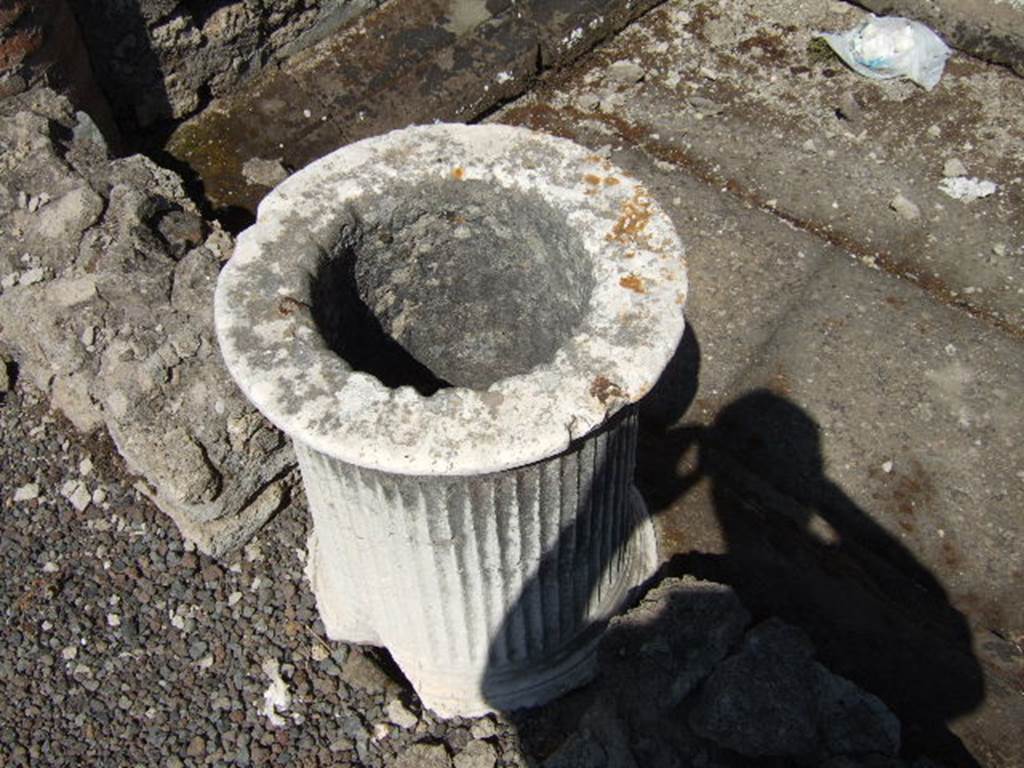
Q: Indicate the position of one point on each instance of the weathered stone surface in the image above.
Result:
(852, 721)
(424, 756)
(161, 59)
(865, 508)
(400, 65)
(118, 328)
(674, 637)
(680, 682)
(41, 45)
(476, 754)
(771, 698)
(763, 700)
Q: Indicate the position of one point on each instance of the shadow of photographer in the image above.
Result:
(797, 547)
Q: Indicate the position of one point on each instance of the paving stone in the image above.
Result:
(813, 301)
(399, 65)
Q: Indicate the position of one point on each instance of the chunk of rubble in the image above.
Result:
(118, 327)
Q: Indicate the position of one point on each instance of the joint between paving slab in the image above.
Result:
(560, 120)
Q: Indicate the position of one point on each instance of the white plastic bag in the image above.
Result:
(888, 47)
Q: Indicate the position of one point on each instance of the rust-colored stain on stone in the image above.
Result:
(287, 305)
(636, 214)
(458, 173)
(592, 179)
(633, 282)
(611, 181)
(604, 389)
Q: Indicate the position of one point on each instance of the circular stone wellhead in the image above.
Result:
(453, 324)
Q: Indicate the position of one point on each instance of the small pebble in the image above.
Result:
(27, 492)
(905, 208)
(400, 715)
(32, 276)
(953, 167)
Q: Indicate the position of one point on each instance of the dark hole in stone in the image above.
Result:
(450, 284)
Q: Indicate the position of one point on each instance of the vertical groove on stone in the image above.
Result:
(363, 500)
(617, 512)
(551, 475)
(548, 553)
(395, 571)
(439, 555)
(620, 499)
(609, 513)
(523, 588)
(569, 499)
(460, 520)
(519, 585)
(460, 578)
(511, 630)
(409, 500)
(588, 487)
(630, 434)
(481, 507)
(550, 550)
(603, 472)
(412, 564)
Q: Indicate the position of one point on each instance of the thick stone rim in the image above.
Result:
(629, 331)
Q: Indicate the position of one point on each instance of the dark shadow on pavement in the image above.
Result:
(798, 548)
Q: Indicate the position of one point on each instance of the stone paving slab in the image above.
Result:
(858, 373)
(399, 65)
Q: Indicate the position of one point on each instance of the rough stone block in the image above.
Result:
(118, 327)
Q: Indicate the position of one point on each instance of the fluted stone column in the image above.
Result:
(487, 584)
(453, 324)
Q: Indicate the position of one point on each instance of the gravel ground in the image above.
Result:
(122, 645)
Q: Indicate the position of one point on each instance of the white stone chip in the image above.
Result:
(27, 492)
(113, 620)
(76, 492)
(905, 208)
(32, 276)
(400, 715)
(967, 189)
(276, 698)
